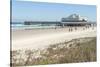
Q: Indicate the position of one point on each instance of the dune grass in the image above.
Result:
(74, 51)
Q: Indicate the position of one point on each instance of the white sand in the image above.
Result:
(41, 38)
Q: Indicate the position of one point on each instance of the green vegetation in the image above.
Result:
(74, 51)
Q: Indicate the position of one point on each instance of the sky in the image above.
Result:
(42, 11)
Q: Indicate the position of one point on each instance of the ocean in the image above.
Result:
(15, 26)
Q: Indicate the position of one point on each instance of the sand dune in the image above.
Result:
(42, 38)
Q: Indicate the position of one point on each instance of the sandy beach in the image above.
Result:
(42, 38)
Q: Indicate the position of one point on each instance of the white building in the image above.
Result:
(74, 18)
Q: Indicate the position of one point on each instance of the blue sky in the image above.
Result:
(40, 11)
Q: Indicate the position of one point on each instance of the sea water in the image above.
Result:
(35, 26)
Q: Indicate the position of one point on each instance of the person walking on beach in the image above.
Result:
(75, 28)
(55, 27)
(84, 27)
(88, 26)
(71, 29)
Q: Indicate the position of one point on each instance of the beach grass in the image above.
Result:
(74, 51)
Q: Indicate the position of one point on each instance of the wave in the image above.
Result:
(35, 26)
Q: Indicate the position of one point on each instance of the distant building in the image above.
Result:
(74, 20)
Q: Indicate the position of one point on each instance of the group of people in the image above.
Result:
(84, 28)
(74, 28)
